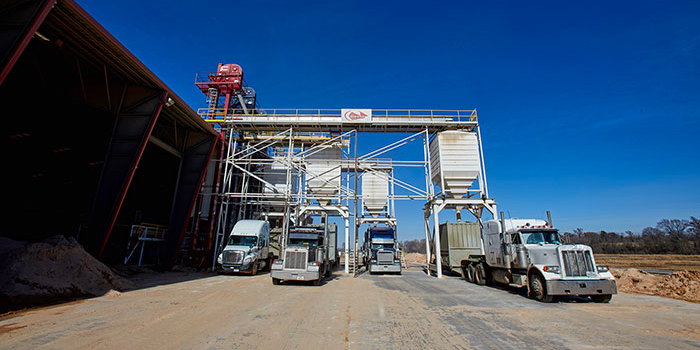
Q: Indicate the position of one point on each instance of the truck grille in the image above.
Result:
(233, 257)
(385, 257)
(577, 262)
(295, 260)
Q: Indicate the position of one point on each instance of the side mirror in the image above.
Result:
(506, 238)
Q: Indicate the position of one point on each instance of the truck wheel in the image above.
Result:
(601, 298)
(538, 289)
(479, 275)
(470, 273)
(275, 281)
(317, 282)
(254, 271)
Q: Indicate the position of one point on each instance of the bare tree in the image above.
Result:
(675, 228)
(694, 227)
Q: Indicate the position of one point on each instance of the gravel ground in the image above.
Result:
(409, 311)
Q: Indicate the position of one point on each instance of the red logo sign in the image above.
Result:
(357, 115)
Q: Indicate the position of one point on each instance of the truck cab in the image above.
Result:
(381, 250)
(529, 253)
(247, 249)
(305, 257)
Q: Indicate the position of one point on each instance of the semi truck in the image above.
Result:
(526, 253)
(381, 253)
(306, 256)
(247, 249)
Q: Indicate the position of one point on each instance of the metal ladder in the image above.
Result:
(212, 100)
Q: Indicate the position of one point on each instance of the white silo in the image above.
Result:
(323, 174)
(375, 191)
(454, 161)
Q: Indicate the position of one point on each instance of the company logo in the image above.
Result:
(352, 115)
(356, 115)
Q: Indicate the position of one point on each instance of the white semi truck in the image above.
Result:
(247, 249)
(529, 253)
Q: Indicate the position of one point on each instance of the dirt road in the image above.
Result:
(412, 311)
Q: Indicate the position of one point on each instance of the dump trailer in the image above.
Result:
(305, 257)
(458, 242)
(529, 253)
(381, 253)
(247, 249)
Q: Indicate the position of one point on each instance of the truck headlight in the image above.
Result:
(602, 268)
(248, 259)
(220, 258)
(551, 269)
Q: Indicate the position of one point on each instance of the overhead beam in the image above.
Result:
(166, 147)
(20, 22)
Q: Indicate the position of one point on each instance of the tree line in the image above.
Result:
(669, 236)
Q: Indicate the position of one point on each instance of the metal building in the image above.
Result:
(97, 143)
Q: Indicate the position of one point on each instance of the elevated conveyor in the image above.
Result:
(336, 120)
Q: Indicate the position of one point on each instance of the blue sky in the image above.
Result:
(588, 109)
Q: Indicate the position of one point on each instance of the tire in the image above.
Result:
(254, 271)
(538, 289)
(317, 282)
(470, 273)
(275, 281)
(479, 274)
(601, 298)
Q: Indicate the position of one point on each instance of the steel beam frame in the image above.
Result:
(133, 126)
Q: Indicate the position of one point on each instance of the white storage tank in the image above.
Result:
(276, 174)
(455, 161)
(375, 191)
(323, 174)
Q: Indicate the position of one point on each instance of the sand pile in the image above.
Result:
(415, 258)
(684, 285)
(54, 269)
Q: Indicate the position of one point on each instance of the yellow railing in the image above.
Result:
(220, 114)
(147, 231)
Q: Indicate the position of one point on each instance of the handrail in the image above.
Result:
(148, 231)
(230, 114)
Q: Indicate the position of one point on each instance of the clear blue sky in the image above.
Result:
(589, 109)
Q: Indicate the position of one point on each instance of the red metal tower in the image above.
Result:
(227, 81)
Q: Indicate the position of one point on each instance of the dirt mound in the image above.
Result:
(54, 269)
(415, 258)
(684, 285)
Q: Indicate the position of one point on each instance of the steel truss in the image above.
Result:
(255, 144)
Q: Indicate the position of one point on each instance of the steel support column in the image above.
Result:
(436, 241)
(193, 168)
(138, 113)
(347, 245)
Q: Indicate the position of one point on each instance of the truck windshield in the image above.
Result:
(305, 242)
(536, 237)
(382, 246)
(243, 240)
